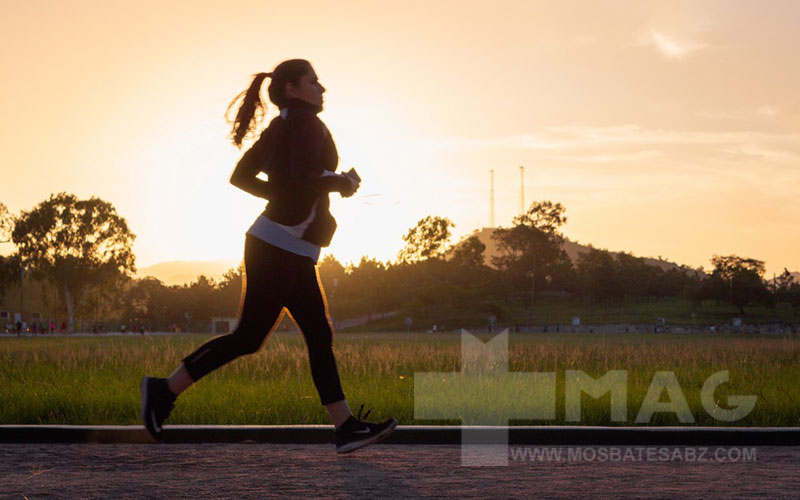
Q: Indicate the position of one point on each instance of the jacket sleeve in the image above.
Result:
(249, 166)
(306, 137)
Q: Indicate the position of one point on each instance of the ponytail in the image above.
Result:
(251, 104)
(251, 110)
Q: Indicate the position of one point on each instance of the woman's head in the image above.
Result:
(294, 78)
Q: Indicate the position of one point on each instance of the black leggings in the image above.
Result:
(274, 279)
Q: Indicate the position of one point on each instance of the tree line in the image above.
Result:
(80, 250)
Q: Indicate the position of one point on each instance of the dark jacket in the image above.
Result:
(294, 152)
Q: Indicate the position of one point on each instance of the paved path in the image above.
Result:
(197, 471)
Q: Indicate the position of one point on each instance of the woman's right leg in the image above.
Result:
(264, 292)
(179, 381)
(265, 285)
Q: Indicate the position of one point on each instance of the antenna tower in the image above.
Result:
(491, 198)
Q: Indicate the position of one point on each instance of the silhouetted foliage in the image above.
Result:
(531, 254)
(78, 244)
(9, 272)
(431, 282)
(736, 280)
(428, 239)
(469, 254)
(6, 224)
(599, 276)
(9, 266)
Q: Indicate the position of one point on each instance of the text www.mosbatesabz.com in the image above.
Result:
(631, 454)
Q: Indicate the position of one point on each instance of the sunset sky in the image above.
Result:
(666, 128)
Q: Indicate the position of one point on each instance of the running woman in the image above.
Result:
(298, 154)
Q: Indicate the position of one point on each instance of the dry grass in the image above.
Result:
(95, 380)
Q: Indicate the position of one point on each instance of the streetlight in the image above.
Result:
(21, 292)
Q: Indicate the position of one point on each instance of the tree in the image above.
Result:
(531, 249)
(230, 291)
(9, 266)
(783, 286)
(200, 300)
(736, 280)
(468, 254)
(332, 276)
(427, 239)
(331, 272)
(6, 224)
(9, 272)
(545, 216)
(728, 265)
(78, 244)
(368, 280)
(599, 276)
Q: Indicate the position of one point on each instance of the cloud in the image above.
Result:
(669, 46)
(629, 134)
(626, 143)
(520, 141)
(611, 157)
(767, 111)
(767, 154)
(584, 40)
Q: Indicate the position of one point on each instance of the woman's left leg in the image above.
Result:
(307, 306)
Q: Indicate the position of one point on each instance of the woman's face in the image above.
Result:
(307, 89)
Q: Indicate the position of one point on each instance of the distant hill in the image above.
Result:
(185, 271)
(573, 249)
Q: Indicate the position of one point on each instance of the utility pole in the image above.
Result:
(521, 190)
(533, 284)
(491, 198)
(21, 294)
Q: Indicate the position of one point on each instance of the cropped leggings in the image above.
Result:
(274, 279)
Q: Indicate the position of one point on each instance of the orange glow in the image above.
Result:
(669, 130)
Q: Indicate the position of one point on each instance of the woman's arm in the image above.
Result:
(248, 167)
(307, 134)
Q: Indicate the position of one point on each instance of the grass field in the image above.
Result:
(86, 380)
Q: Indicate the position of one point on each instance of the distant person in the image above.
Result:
(281, 248)
(19, 328)
(52, 326)
(63, 326)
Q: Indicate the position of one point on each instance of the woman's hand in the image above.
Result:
(350, 190)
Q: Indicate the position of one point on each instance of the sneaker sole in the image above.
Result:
(374, 439)
(143, 412)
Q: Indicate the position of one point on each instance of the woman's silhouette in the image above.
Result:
(282, 246)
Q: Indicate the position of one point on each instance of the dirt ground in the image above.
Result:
(126, 471)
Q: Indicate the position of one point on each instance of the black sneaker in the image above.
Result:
(157, 402)
(355, 433)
